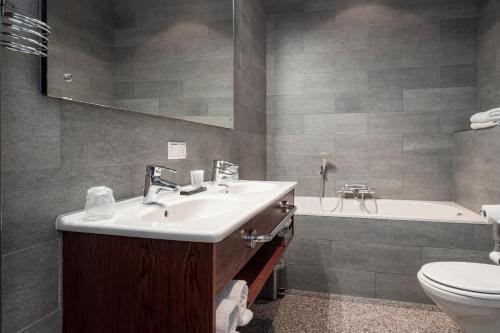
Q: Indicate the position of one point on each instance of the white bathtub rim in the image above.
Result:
(480, 220)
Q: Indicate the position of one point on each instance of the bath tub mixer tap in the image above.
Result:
(357, 190)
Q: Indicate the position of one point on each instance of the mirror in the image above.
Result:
(171, 58)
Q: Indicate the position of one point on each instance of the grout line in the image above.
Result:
(39, 320)
(30, 247)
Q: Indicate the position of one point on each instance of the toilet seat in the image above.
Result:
(480, 281)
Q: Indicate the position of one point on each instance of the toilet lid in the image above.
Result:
(479, 278)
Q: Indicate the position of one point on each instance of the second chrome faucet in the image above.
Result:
(224, 170)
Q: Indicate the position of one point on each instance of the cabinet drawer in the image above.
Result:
(233, 252)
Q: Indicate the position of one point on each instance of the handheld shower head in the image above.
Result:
(323, 157)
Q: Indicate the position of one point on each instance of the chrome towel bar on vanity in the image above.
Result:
(253, 238)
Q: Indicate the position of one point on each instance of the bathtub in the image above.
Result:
(442, 211)
(376, 252)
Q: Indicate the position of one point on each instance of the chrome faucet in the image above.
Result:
(154, 184)
(222, 170)
(357, 190)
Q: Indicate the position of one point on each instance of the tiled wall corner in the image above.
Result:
(380, 86)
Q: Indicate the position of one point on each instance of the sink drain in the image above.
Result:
(166, 213)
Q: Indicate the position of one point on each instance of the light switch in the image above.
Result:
(177, 151)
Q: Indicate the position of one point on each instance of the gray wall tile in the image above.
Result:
(356, 123)
(30, 285)
(284, 84)
(434, 191)
(369, 59)
(284, 125)
(476, 165)
(334, 281)
(433, 143)
(40, 148)
(476, 161)
(414, 233)
(376, 257)
(49, 324)
(341, 80)
(483, 237)
(431, 254)
(452, 121)
(423, 77)
(404, 123)
(301, 144)
(301, 104)
(439, 99)
(376, 100)
(400, 287)
(390, 251)
(458, 75)
(307, 252)
(332, 57)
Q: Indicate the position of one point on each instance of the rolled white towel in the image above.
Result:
(483, 125)
(483, 117)
(245, 318)
(236, 290)
(495, 257)
(491, 211)
(226, 316)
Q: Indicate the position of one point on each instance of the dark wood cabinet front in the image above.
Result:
(125, 284)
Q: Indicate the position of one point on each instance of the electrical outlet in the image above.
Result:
(177, 151)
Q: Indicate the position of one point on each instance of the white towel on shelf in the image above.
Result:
(495, 257)
(236, 290)
(226, 316)
(245, 318)
(486, 116)
(483, 125)
(491, 211)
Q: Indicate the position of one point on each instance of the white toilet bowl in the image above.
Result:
(467, 292)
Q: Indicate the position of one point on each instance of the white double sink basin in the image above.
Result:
(208, 216)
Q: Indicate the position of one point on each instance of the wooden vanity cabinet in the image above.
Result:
(125, 284)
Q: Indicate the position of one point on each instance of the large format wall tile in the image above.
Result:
(414, 233)
(382, 257)
(30, 285)
(476, 158)
(376, 257)
(30, 130)
(439, 99)
(399, 287)
(334, 281)
(368, 69)
(49, 324)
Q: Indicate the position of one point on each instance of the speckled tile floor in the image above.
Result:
(306, 312)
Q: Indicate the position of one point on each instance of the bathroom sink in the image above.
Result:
(193, 210)
(208, 216)
(250, 187)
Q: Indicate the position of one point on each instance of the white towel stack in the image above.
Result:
(234, 293)
(485, 119)
(226, 316)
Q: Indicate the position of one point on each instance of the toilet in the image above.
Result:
(467, 292)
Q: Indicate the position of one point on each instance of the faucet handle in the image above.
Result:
(223, 164)
(155, 170)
